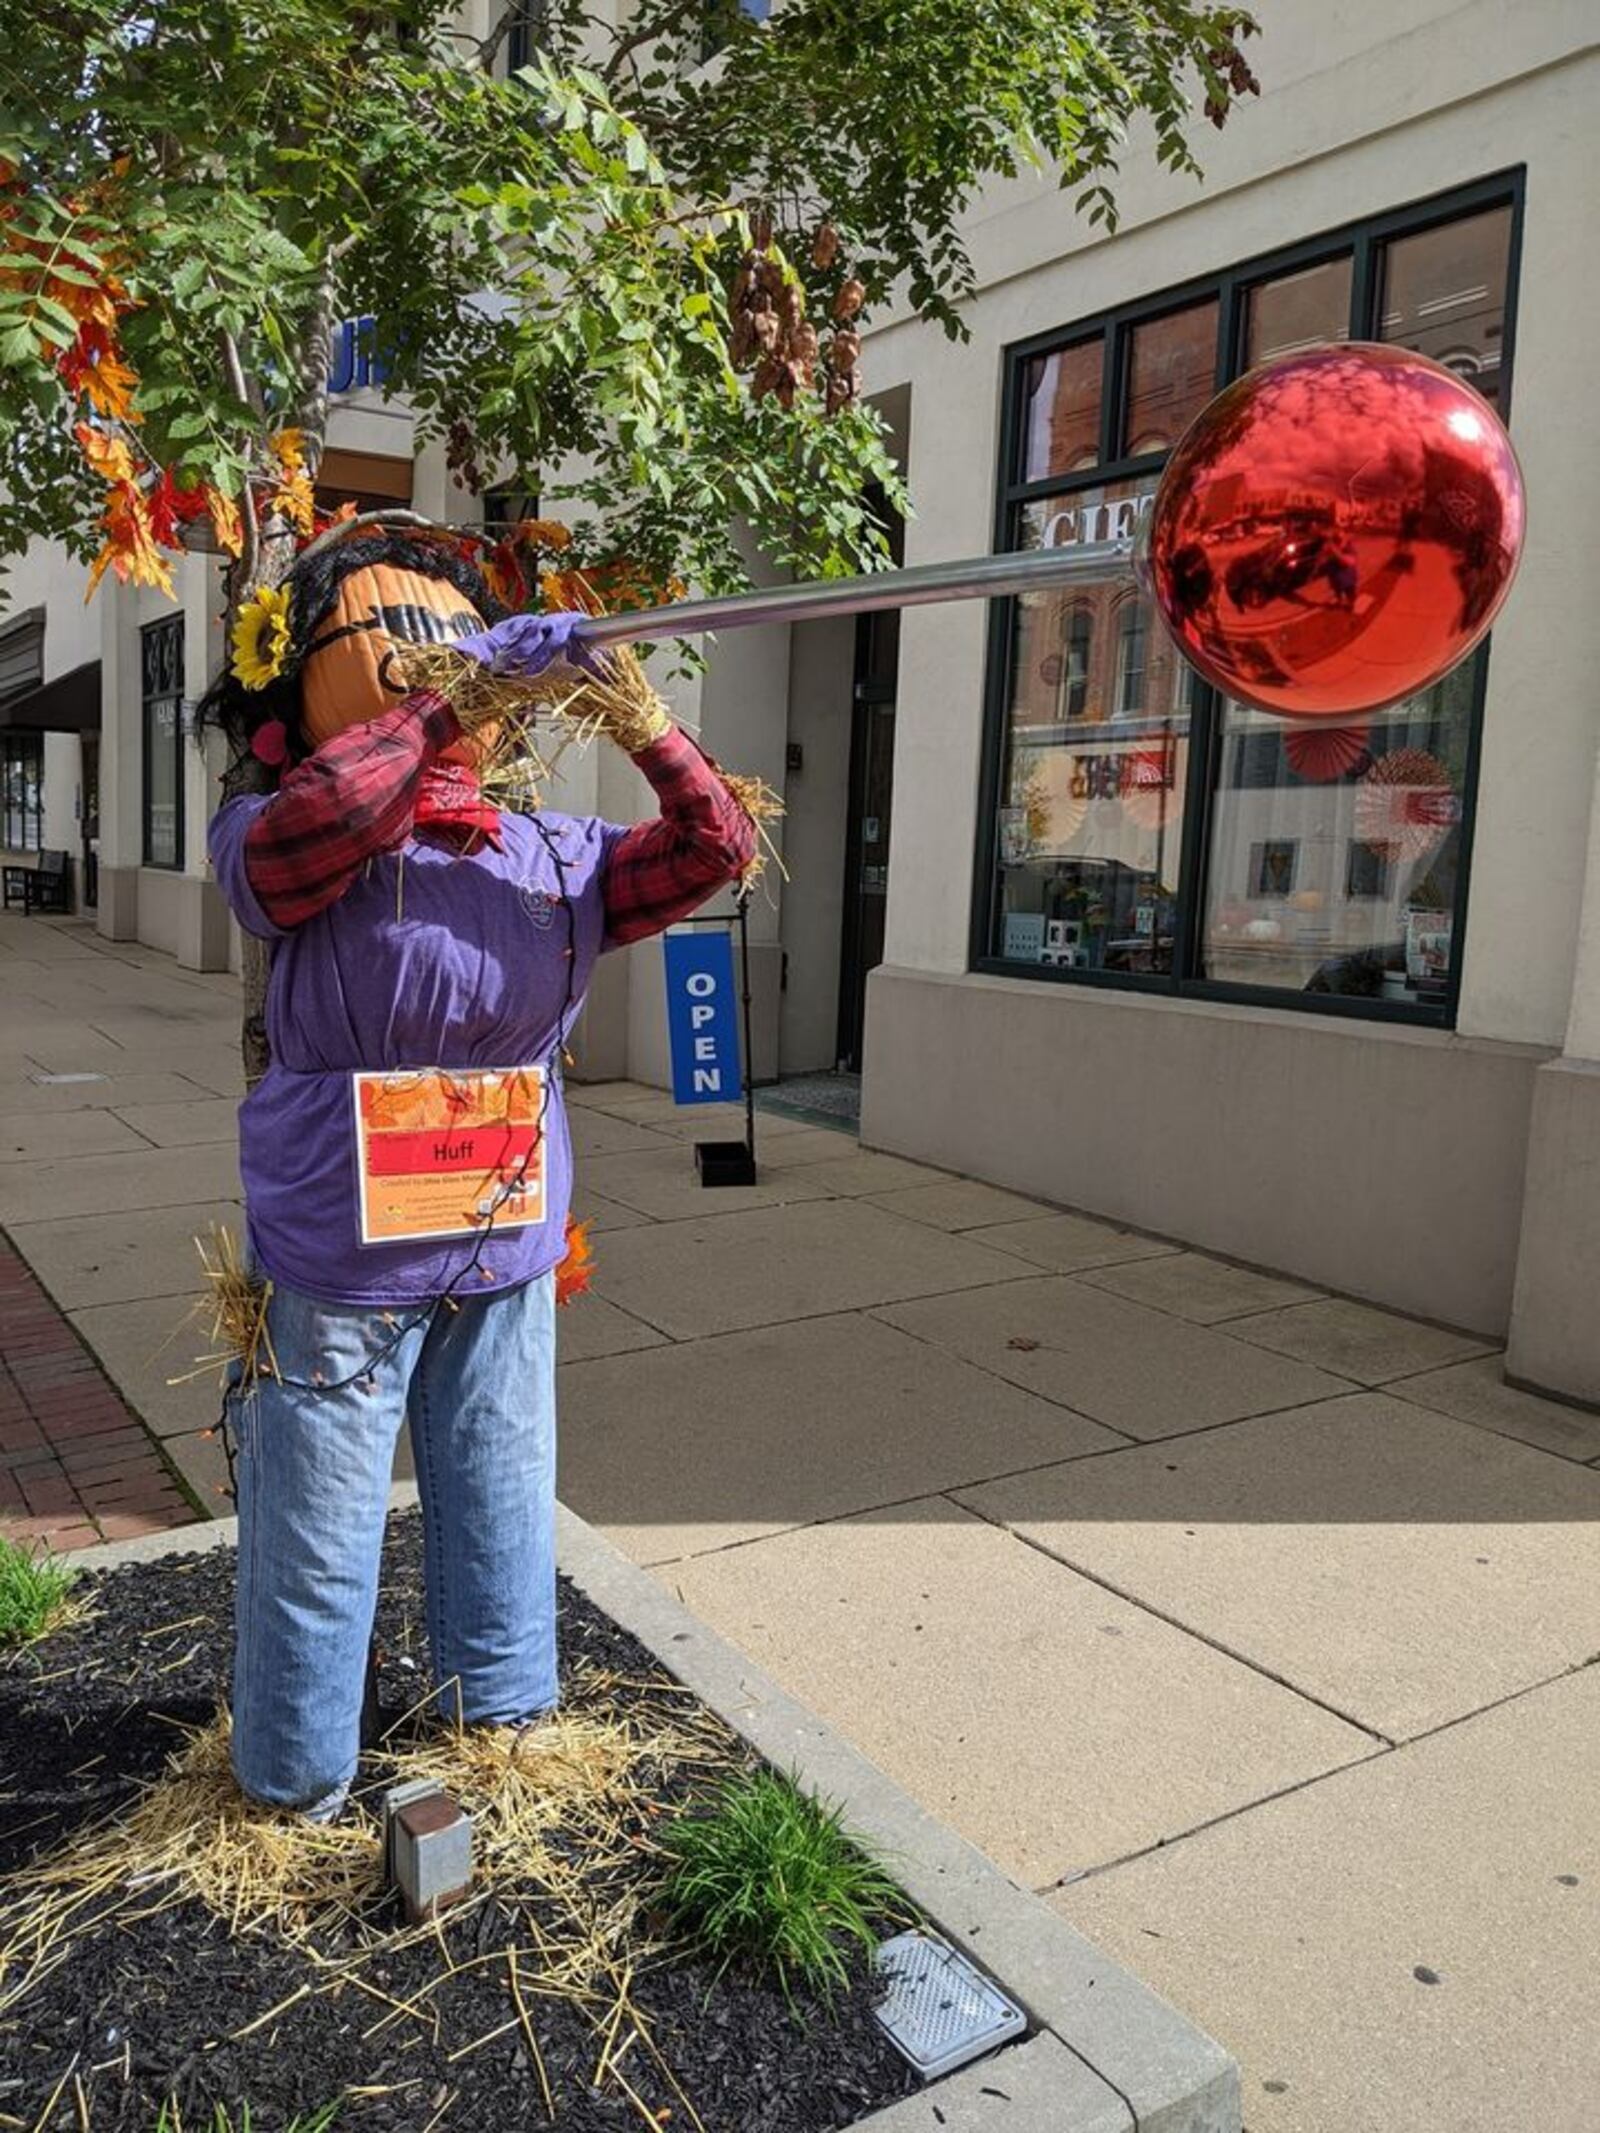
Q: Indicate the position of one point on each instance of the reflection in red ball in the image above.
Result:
(1336, 530)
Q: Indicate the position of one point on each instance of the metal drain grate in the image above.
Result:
(939, 2010)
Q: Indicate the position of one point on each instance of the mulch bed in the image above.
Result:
(150, 2008)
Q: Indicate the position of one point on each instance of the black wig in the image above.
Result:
(229, 707)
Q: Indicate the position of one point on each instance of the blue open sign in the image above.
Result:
(702, 1018)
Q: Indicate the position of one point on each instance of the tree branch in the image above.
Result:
(250, 554)
(311, 377)
(489, 50)
(654, 27)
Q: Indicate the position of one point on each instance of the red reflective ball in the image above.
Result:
(1336, 530)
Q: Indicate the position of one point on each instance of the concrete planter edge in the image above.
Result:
(1108, 2054)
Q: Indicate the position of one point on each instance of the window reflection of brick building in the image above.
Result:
(1091, 657)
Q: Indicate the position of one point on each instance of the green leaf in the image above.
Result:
(552, 254)
(188, 279)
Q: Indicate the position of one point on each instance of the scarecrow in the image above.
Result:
(406, 1158)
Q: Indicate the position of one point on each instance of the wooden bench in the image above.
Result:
(45, 887)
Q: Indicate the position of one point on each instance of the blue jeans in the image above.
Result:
(478, 1386)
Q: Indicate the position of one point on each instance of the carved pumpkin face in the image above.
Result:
(347, 675)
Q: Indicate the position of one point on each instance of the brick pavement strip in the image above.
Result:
(76, 1464)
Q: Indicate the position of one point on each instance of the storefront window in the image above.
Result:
(1172, 373)
(22, 789)
(161, 655)
(1146, 831)
(1299, 310)
(1444, 294)
(1061, 410)
(1334, 850)
(1092, 812)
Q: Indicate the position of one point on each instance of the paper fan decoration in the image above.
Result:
(1319, 754)
(1405, 804)
(1052, 813)
(1148, 791)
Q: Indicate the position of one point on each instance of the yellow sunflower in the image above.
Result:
(261, 637)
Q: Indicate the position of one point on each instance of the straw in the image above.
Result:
(502, 712)
(559, 1812)
(236, 1306)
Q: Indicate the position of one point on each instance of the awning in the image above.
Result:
(69, 704)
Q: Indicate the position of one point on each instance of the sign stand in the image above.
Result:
(734, 1162)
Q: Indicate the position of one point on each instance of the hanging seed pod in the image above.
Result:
(854, 381)
(844, 350)
(825, 247)
(761, 228)
(792, 305)
(767, 373)
(837, 395)
(803, 343)
(769, 277)
(852, 295)
(742, 342)
(743, 282)
(767, 331)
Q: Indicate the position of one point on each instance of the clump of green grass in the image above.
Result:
(34, 1593)
(769, 1876)
(222, 2120)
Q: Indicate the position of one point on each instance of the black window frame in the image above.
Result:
(526, 37)
(148, 699)
(506, 506)
(20, 747)
(1363, 241)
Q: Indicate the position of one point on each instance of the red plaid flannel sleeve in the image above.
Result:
(660, 871)
(356, 796)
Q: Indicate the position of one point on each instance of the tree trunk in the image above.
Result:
(267, 560)
(248, 774)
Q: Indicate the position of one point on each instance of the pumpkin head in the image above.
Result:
(347, 671)
(355, 598)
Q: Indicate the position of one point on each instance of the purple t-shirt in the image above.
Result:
(430, 958)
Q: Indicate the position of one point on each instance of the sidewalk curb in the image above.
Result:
(1109, 2055)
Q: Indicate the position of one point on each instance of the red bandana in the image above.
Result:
(450, 797)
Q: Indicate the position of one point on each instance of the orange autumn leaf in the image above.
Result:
(92, 303)
(104, 454)
(337, 516)
(94, 365)
(225, 520)
(289, 446)
(295, 501)
(503, 579)
(607, 588)
(130, 548)
(576, 1270)
(542, 533)
(569, 592)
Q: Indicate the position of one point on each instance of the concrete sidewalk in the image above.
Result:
(1254, 1627)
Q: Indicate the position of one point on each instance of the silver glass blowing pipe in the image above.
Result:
(984, 577)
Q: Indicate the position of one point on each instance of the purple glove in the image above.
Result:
(527, 644)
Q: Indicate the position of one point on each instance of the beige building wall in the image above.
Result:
(1389, 1162)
